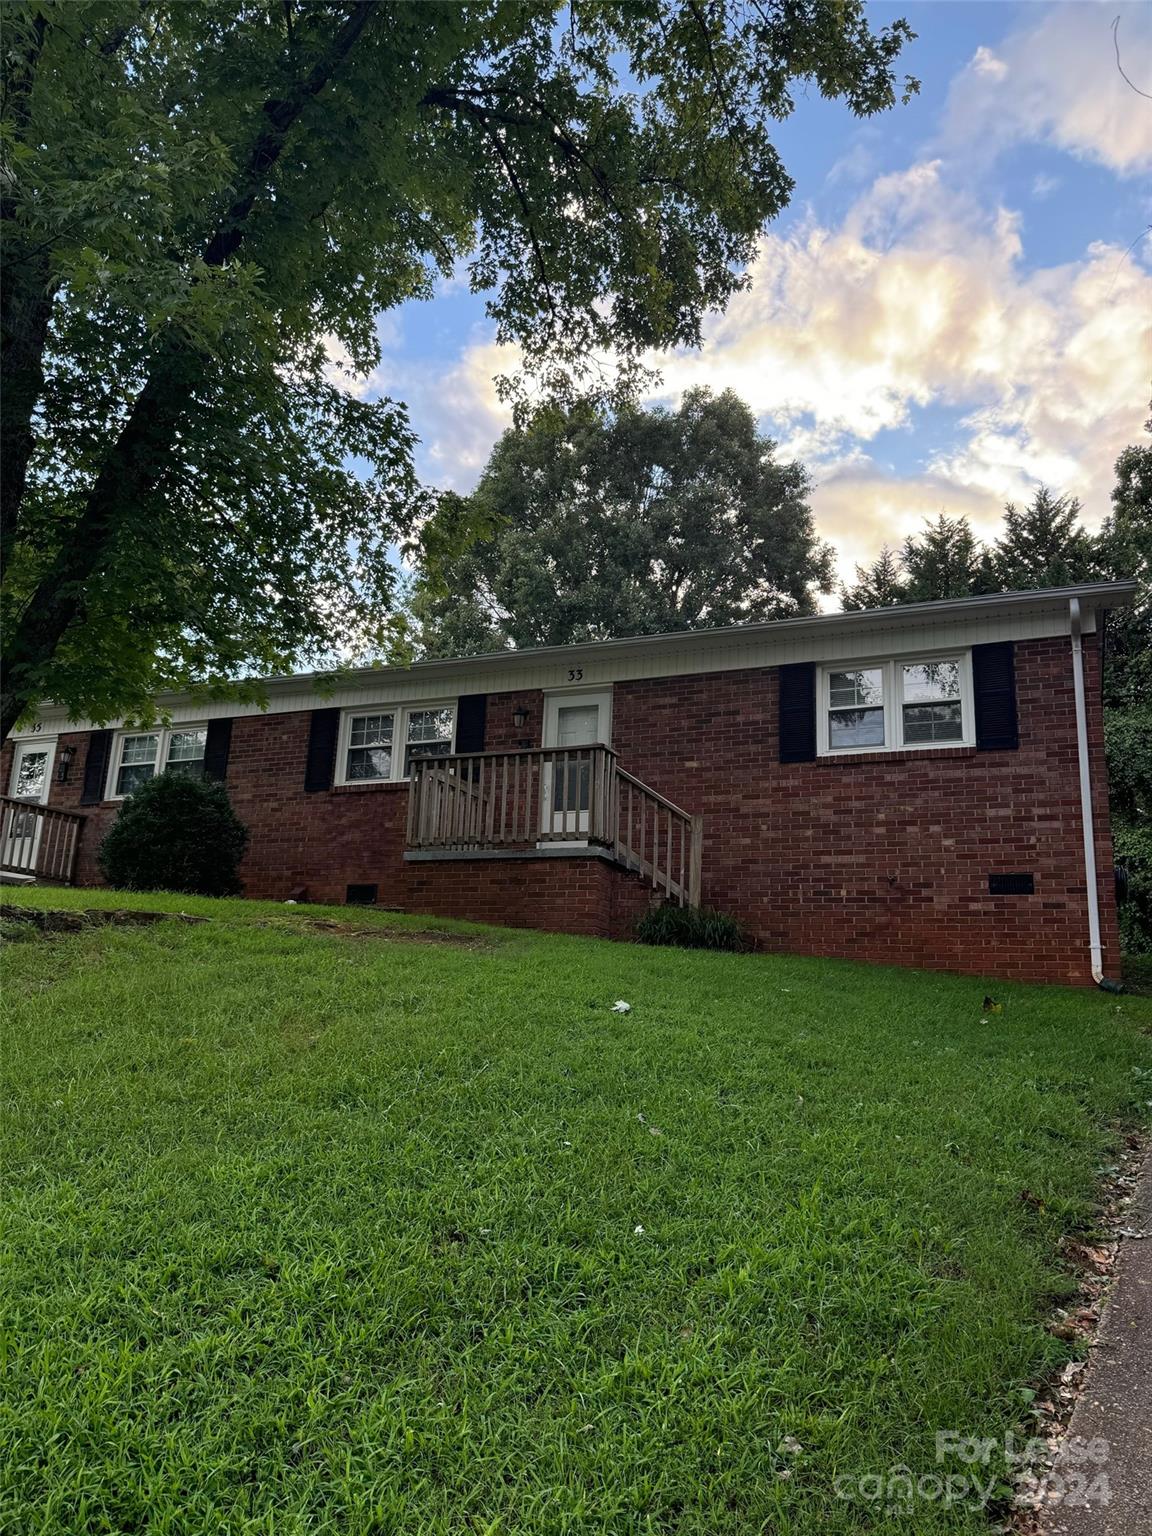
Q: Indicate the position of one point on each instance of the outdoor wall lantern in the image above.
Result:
(66, 755)
(519, 717)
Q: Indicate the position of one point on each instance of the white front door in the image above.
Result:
(571, 721)
(31, 776)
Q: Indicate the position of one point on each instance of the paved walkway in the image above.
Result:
(1116, 1405)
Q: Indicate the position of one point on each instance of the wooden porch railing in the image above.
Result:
(38, 840)
(491, 800)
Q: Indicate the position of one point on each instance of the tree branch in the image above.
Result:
(485, 120)
(1119, 66)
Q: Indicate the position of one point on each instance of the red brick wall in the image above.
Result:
(883, 856)
(500, 734)
(886, 856)
(578, 895)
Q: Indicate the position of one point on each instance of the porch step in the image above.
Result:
(10, 877)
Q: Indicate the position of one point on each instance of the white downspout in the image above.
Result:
(1074, 619)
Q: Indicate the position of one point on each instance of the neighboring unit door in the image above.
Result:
(572, 720)
(31, 774)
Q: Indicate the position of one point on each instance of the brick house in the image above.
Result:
(921, 785)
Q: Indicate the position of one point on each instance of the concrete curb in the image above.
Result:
(1116, 1404)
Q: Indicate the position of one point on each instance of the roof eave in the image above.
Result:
(1099, 595)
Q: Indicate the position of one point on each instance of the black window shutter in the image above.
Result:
(96, 767)
(994, 688)
(322, 749)
(471, 714)
(798, 712)
(216, 749)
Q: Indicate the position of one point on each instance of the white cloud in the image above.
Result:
(904, 304)
(985, 63)
(861, 506)
(460, 413)
(1055, 81)
(917, 299)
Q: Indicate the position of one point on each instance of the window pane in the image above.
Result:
(186, 753)
(926, 681)
(132, 775)
(430, 725)
(137, 762)
(429, 735)
(425, 749)
(846, 689)
(371, 731)
(369, 747)
(856, 728)
(30, 776)
(139, 749)
(183, 746)
(933, 722)
(577, 724)
(369, 763)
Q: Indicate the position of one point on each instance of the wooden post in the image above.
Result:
(696, 860)
(413, 798)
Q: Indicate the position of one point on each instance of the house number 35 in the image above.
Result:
(575, 674)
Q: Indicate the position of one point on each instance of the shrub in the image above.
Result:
(1133, 846)
(1128, 733)
(175, 834)
(692, 928)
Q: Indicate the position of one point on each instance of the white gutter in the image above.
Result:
(1086, 821)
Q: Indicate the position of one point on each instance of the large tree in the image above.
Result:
(878, 585)
(945, 559)
(1042, 545)
(1125, 550)
(202, 202)
(627, 523)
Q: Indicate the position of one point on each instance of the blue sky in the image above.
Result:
(954, 308)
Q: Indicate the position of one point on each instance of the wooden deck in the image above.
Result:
(540, 797)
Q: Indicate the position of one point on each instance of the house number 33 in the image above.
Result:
(575, 674)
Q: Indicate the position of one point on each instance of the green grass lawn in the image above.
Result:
(313, 1233)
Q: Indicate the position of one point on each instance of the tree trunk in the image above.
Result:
(24, 329)
(131, 472)
(25, 298)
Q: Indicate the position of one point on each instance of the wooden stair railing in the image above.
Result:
(658, 840)
(469, 802)
(38, 840)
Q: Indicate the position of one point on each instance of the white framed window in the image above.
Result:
(897, 704)
(140, 755)
(379, 744)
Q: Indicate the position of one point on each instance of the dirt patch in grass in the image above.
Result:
(387, 935)
(21, 922)
(60, 920)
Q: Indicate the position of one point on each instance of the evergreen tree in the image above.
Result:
(1043, 545)
(878, 585)
(944, 560)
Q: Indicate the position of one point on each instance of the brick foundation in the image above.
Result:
(584, 895)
